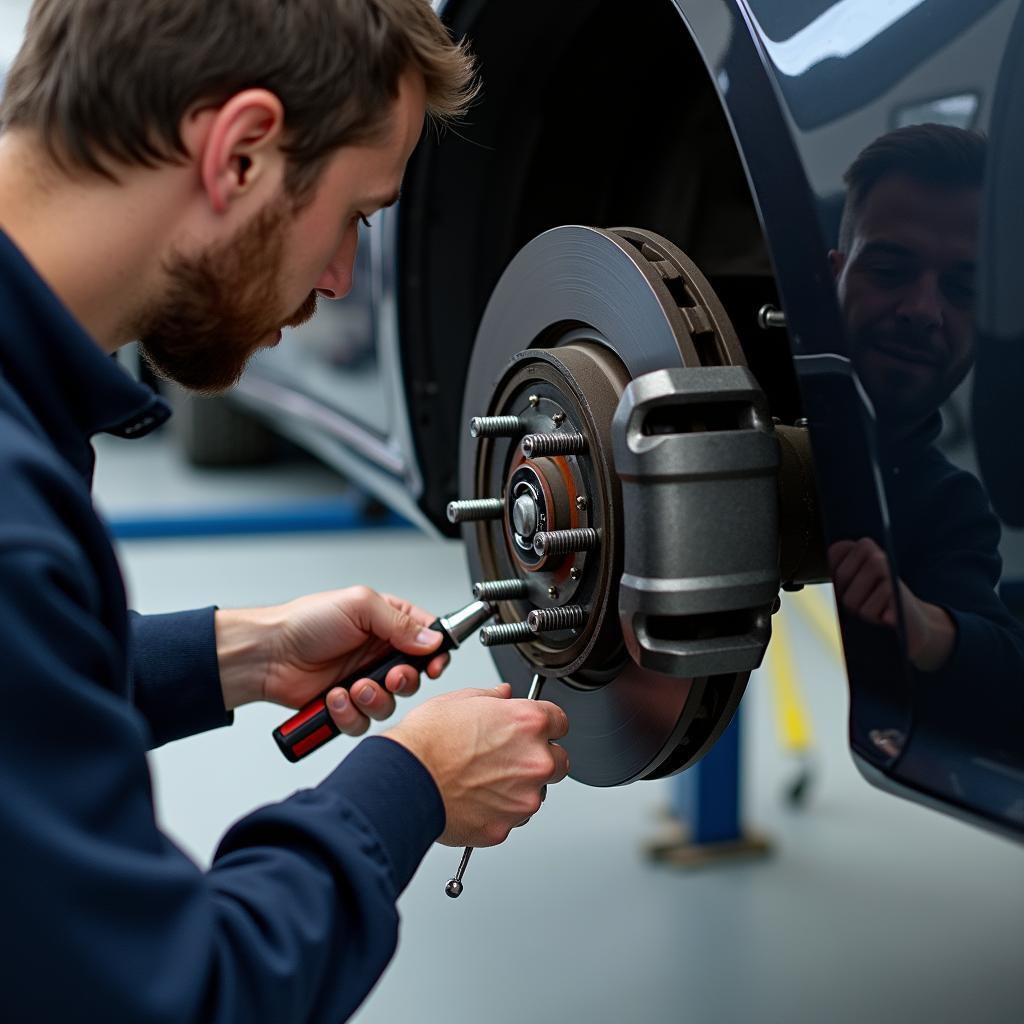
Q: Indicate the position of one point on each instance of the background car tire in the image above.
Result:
(214, 432)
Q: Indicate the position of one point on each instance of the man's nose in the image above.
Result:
(921, 303)
(336, 281)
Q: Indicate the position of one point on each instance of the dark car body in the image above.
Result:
(725, 126)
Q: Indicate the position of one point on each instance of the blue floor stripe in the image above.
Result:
(333, 516)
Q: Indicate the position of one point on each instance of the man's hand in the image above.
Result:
(490, 756)
(864, 586)
(291, 653)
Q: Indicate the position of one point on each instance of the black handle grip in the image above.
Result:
(311, 727)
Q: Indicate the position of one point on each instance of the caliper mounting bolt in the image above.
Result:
(537, 445)
(475, 510)
(564, 542)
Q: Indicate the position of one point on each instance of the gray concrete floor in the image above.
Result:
(870, 909)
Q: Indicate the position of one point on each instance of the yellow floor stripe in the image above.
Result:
(792, 718)
(817, 606)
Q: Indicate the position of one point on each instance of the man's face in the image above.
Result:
(906, 288)
(227, 302)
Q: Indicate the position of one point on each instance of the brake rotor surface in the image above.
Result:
(576, 316)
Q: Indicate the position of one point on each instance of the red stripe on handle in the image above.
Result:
(313, 708)
(314, 740)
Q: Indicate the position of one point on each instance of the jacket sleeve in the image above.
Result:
(958, 568)
(175, 676)
(294, 922)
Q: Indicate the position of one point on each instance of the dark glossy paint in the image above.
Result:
(807, 85)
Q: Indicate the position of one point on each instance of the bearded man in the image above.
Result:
(193, 175)
(905, 269)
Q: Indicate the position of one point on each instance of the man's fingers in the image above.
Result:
(347, 717)
(846, 569)
(397, 627)
(558, 721)
(421, 615)
(875, 606)
(371, 700)
(403, 680)
(868, 581)
(561, 766)
(438, 665)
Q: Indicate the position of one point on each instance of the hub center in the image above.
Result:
(524, 516)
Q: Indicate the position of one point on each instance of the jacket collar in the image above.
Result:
(72, 388)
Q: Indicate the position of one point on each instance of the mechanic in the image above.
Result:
(193, 175)
(905, 269)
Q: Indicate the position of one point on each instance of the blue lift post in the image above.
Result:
(708, 802)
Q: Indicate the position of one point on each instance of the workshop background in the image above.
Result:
(865, 907)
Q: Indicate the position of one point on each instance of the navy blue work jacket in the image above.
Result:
(103, 918)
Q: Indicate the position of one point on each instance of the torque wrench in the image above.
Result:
(311, 727)
(454, 885)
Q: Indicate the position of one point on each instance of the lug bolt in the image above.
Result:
(581, 503)
(536, 445)
(475, 511)
(564, 542)
(549, 620)
(574, 573)
(553, 593)
(506, 633)
(558, 419)
(534, 401)
(495, 426)
(499, 590)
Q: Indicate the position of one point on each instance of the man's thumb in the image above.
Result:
(411, 636)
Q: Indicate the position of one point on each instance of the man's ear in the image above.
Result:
(236, 145)
(836, 260)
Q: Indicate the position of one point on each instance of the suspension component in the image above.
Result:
(550, 620)
(495, 426)
(565, 542)
(499, 590)
(565, 443)
(506, 633)
(475, 510)
(770, 316)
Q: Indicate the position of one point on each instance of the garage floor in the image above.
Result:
(871, 909)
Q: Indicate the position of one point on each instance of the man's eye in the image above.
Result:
(959, 291)
(889, 274)
(364, 220)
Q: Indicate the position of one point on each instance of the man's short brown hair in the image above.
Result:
(108, 82)
(931, 154)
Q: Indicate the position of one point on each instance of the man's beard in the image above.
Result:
(220, 307)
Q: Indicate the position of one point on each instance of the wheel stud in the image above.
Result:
(499, 590)
(506, 633)
(536, 445)
(564, 542)
(474, 511)
(495, 426)
(550, 620)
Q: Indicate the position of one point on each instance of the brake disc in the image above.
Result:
(579, 314)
